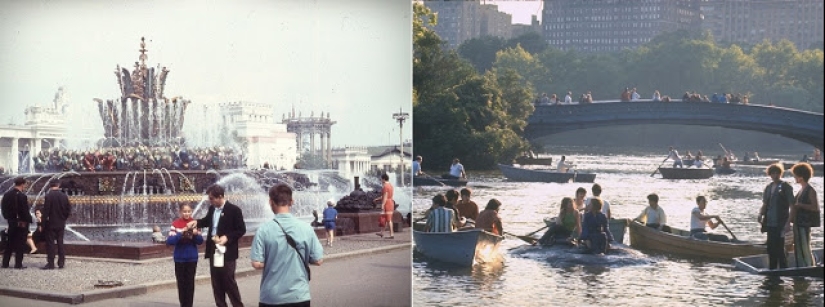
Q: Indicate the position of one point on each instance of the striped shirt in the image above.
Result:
(440, 219)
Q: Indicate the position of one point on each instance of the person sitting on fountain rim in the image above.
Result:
(653, 216)
(699, 219)
(157, 236)
(595, 230)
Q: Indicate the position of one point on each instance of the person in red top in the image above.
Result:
(387, 204)
(186, 240)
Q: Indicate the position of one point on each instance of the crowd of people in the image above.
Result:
(137, 158)
(631, 94)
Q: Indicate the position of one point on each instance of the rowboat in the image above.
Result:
(679, 242)
(817, 166)
(759, 162)
(419, 181)
(758, 264)
(465, 248)
(617, 227)
(686, 173)
(543, 175)
(534, 161)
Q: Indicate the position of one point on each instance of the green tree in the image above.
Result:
(532, 42)
(481, 52)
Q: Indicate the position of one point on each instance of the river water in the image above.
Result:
(534, 276)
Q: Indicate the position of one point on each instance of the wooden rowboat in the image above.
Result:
(542, 175)
(617, 227)
(465, 248)
(679, 242)
(419, 181)
(686, 173)
(758, 264)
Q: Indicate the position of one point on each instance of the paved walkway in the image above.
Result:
(359, 270)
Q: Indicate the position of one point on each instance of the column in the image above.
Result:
(323, 155)
(15, 152)
(329, 143)
(312, 141)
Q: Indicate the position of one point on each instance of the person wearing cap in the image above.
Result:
(330, 216)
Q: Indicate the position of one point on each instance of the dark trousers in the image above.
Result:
(224, 284)
(16, 244)
(54, 245)
(776, 249)
(185, 275)
(301, 304)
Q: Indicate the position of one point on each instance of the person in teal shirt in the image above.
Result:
(285, 277)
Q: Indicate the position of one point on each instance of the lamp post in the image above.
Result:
(401, 117)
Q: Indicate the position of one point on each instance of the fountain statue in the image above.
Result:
(143, 169)
(142, 115)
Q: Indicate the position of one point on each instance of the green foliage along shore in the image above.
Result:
(473, 103)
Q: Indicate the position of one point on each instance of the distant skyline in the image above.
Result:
(352, 59)
(522, 10)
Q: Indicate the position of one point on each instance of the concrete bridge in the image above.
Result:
(799, 125)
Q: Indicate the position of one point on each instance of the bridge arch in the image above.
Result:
(803, 126)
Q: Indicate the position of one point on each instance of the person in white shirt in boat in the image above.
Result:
(699, 219)
(597, 192)
(456, 171)
(653, 216)
(563, 166)
(673, 154)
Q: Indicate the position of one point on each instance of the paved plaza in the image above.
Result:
(359, 270)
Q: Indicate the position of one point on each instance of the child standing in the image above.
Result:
(330, 216)
(186, 241)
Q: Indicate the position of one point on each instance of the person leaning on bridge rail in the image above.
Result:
(656, 97)
(568, 99)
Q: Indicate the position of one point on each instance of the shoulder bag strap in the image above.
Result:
(294, 245)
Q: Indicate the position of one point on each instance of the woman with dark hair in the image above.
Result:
(387, 204)
(489, 219)
(567, 222)
(804, 215)
(595, 231)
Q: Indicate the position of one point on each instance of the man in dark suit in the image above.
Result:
(56, 210)
(15, 209)
(226, 227)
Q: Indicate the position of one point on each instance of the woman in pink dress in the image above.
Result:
(387, 204)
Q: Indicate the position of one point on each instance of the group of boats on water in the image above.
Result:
(468, 247)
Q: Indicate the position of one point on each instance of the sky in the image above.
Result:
(521, 10)
(350, 58)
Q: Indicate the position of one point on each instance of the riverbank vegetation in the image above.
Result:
(473, 102)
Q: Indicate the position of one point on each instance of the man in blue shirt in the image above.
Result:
(285, 277)
(416, 166)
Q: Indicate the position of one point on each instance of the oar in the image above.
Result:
(436, 180)
(657, 168)
(528, 237)
(726, 227)
(530, 240)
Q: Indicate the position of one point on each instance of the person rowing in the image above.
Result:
(566, 227)
(699, 220)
